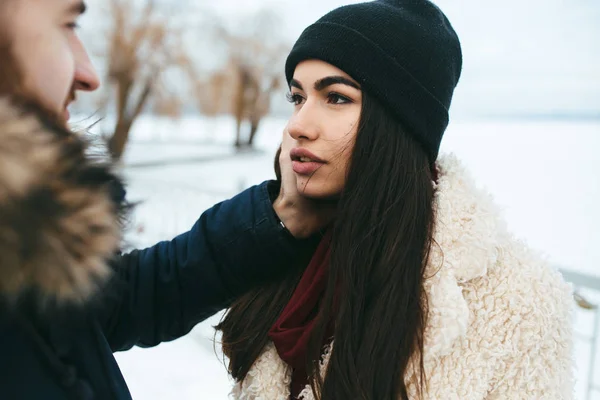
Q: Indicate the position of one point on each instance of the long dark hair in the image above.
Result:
(381, 242)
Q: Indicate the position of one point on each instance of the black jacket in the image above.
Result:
(62, 318)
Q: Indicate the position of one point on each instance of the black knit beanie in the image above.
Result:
(403, 52)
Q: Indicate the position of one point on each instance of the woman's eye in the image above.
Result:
(335, 98)
(295, 98)
(72, 25)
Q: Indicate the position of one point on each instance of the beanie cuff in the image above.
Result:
(425, 116)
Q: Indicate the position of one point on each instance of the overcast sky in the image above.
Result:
(538, 56)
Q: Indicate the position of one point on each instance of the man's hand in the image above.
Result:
(302, 216)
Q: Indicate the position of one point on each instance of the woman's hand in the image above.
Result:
(302, 216)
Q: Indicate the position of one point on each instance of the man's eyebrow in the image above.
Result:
(78, 8)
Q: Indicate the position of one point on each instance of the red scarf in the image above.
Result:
(291, 331)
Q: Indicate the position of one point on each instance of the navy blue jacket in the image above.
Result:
(156, 295)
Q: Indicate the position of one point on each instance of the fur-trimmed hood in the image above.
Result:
(59, 222)
(499, 318)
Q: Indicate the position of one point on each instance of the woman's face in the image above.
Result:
(321, 133)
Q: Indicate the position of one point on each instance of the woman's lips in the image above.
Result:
(304, 162)
(306, 168)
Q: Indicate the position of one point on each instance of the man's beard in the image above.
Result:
(12, 85)
(11, 78)
(47, 116)
(72, 98)
(29, 102)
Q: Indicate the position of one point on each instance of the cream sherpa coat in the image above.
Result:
(499, 324)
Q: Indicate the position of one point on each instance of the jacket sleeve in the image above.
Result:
(541, 335)
(160, 293)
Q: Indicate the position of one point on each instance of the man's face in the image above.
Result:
(47, 50)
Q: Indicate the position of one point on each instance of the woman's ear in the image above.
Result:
(277, 166)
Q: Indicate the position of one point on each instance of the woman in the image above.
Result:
(416, 291)
(67, 301)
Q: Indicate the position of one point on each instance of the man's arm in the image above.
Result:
(160, 293)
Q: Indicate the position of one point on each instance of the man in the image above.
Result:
(63, 307)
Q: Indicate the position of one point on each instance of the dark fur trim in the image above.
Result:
(59, 223)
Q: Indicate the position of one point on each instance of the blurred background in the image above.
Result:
(193, 107)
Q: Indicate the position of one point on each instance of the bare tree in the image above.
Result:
(142, 46)
(246, 89)
(261, 105)
(211, 92)
(258, 65)
(251, 74)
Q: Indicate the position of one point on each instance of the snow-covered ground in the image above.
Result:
(544, 174)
